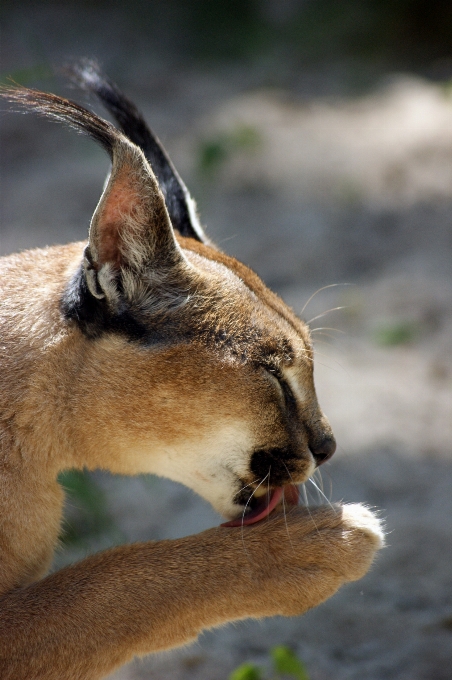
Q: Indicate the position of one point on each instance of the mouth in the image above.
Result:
(261, 507)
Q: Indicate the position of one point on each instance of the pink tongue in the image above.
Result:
(266, 505)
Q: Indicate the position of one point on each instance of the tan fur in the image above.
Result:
(194, 399)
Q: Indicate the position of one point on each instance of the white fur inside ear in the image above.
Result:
(94, 288)
(102, 283)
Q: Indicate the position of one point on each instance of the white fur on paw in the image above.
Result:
(357, 516)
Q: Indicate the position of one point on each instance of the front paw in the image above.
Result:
(311, 552)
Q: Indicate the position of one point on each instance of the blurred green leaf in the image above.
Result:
(90, 516)
(244, 137)
(400, 333)
(27, 76)
(285, 662)
(447, 89)
(246, 671)
(214, 151)
(212, 154)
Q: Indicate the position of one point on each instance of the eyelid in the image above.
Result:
(275, 378)
(289, 395)
(284, 387)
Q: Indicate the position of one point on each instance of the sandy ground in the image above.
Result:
(355, 191)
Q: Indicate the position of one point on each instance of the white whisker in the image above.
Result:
(247, 485)
(320, 492)
(317, 474)
(285, 521)
(268, 486)
(330, 485)
(246, 506)
(319, 290)
(322, 354)
(249, 499)
(305, 495)
(330, 368)
(316, 341)
(327, 328)
(319, 316)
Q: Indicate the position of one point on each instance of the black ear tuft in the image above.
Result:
(180, 205)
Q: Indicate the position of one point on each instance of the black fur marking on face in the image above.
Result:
(93, 316)
(243, 496)
(278, 463)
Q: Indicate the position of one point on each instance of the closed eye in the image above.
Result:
(289, 396)
(275, 380)
(283, 387)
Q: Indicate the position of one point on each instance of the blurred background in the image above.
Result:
(316, 137)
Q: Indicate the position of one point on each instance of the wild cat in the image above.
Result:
(147, 349)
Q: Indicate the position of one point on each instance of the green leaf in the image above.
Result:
(245, 137)
(89, 512)
(213, 153)
(27, 76)
(247, 671)
(400, 333)
(286, 662)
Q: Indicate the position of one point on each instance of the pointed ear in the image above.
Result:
(130, 229)
(181, 206)
(131, 237)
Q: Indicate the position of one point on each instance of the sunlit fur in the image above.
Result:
(144, 351)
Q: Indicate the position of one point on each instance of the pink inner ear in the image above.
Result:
(120, 202)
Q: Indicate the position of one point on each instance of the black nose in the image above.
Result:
(323, 449)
